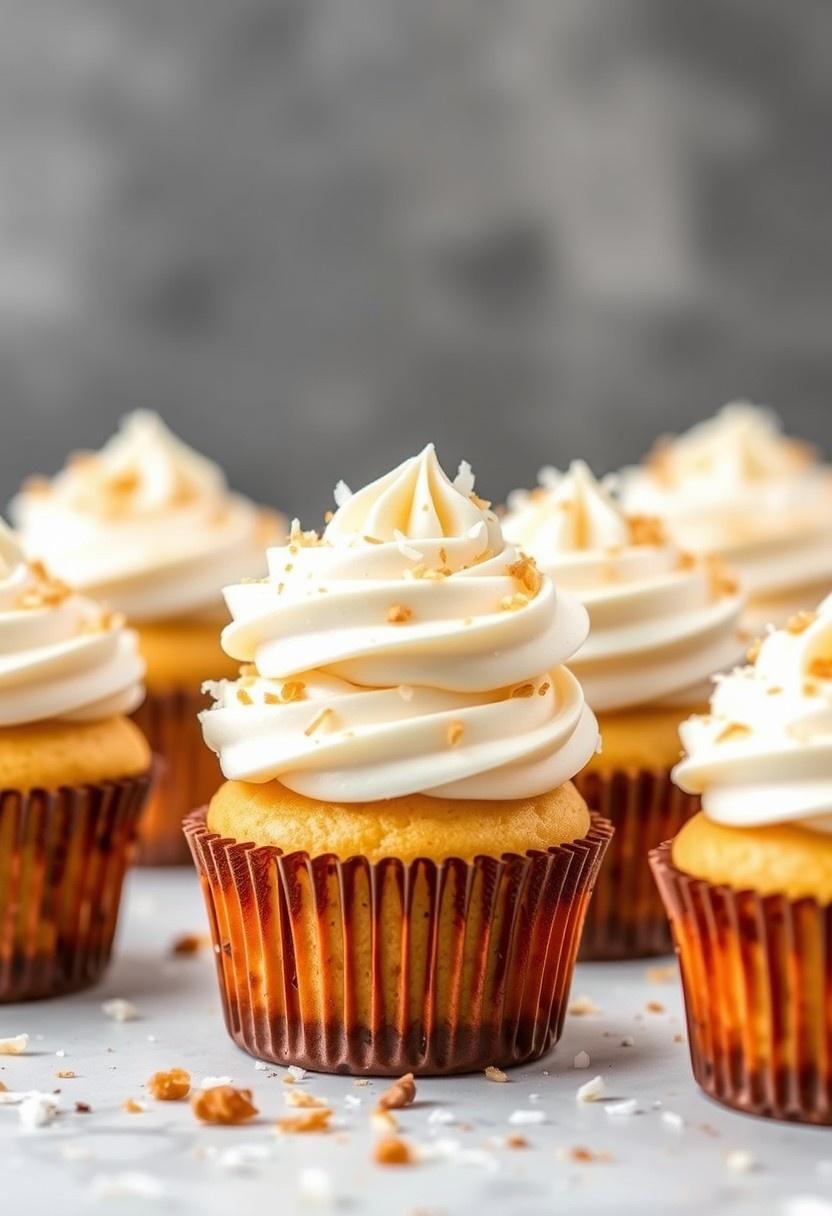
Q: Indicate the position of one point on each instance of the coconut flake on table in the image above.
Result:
(38, 1110)
(120, 1010)
(214, 1082)
(581, 1060)
(15, 1045)
(520, 1118)
(130, 1184)
(315, 1187)
(592, 1091)
(670, 1118)
(624, 1108)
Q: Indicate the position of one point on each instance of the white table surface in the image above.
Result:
(74, 1164)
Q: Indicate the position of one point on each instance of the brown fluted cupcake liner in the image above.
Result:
(626, 918)
(757, 979)
(389, 967)
(188, 772)
(63, 855)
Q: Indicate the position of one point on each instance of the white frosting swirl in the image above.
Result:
(737, 487)
(764, 753)
(146, 524)
(407, 651)
(661, 624)
(61, 655)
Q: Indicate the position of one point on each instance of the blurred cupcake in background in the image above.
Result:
(399, 748)
(74, 775)
(748, 882)
(735, 486)
(149, 527)
(661, 624)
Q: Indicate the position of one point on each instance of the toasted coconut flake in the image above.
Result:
(455, 732)
(244, 697)
(646, 530)
(733, 732)
(525, 571)
(514, 603)
(523, 690)
(131, 1107)
(753, 652)
(399, 614)
(317, 1120)
(800, 622)
(821, 667)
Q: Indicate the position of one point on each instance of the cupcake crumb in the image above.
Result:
(317, 1120)
(223, 1104)
(492, 1073)
(583, 1006)
(661, 975)
(393, 1151)
(400, 1094)
(170, 1086)
(300, 1098)
(382, 1121)
(131, 1107)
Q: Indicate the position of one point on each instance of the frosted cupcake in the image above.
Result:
(748, 882)
(737, 487)
(661, 624)
(149, 527)
(73, 778)
(398, 867)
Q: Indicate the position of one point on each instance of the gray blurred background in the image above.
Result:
(315, 233)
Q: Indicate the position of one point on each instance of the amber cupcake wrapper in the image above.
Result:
(626, 917)
(63, 855)
(757, 980)
(188, 773)
(381, 968)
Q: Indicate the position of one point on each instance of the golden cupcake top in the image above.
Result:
(409, 649)
(662, 622)
(146, 523)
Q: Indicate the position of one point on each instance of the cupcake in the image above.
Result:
(661, 624)
(398, 866)
(748, 882)
(149, 527)
(735, 486)
(74, 774)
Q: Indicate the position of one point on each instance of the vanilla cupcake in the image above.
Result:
(74, 774)
(661, 624)
(737, 487)
(748, 882)
(149, 527)
(399, 748)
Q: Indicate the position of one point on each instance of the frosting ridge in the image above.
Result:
(147, 524)
(406, 650)
(763, 755)
(61, 655)
(661, 622)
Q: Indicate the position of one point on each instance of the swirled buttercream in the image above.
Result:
(737, 487)
(661, 623)
(146, 524)
(763, 755)
(409, 649)
(61, 655)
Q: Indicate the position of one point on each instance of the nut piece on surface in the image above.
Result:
(393, 1151)
(223, 1104)
(401, 1093)
(316, 1120)
(170, 1086)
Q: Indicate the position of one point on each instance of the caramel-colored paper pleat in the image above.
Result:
(63, 854)
(626, 918)
(188, 772)
(387, 967)
(757, 978)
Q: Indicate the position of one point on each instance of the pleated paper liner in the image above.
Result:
(387, 967)
(626, 918)
(757, 979)
(63, 855)
(188, 772)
